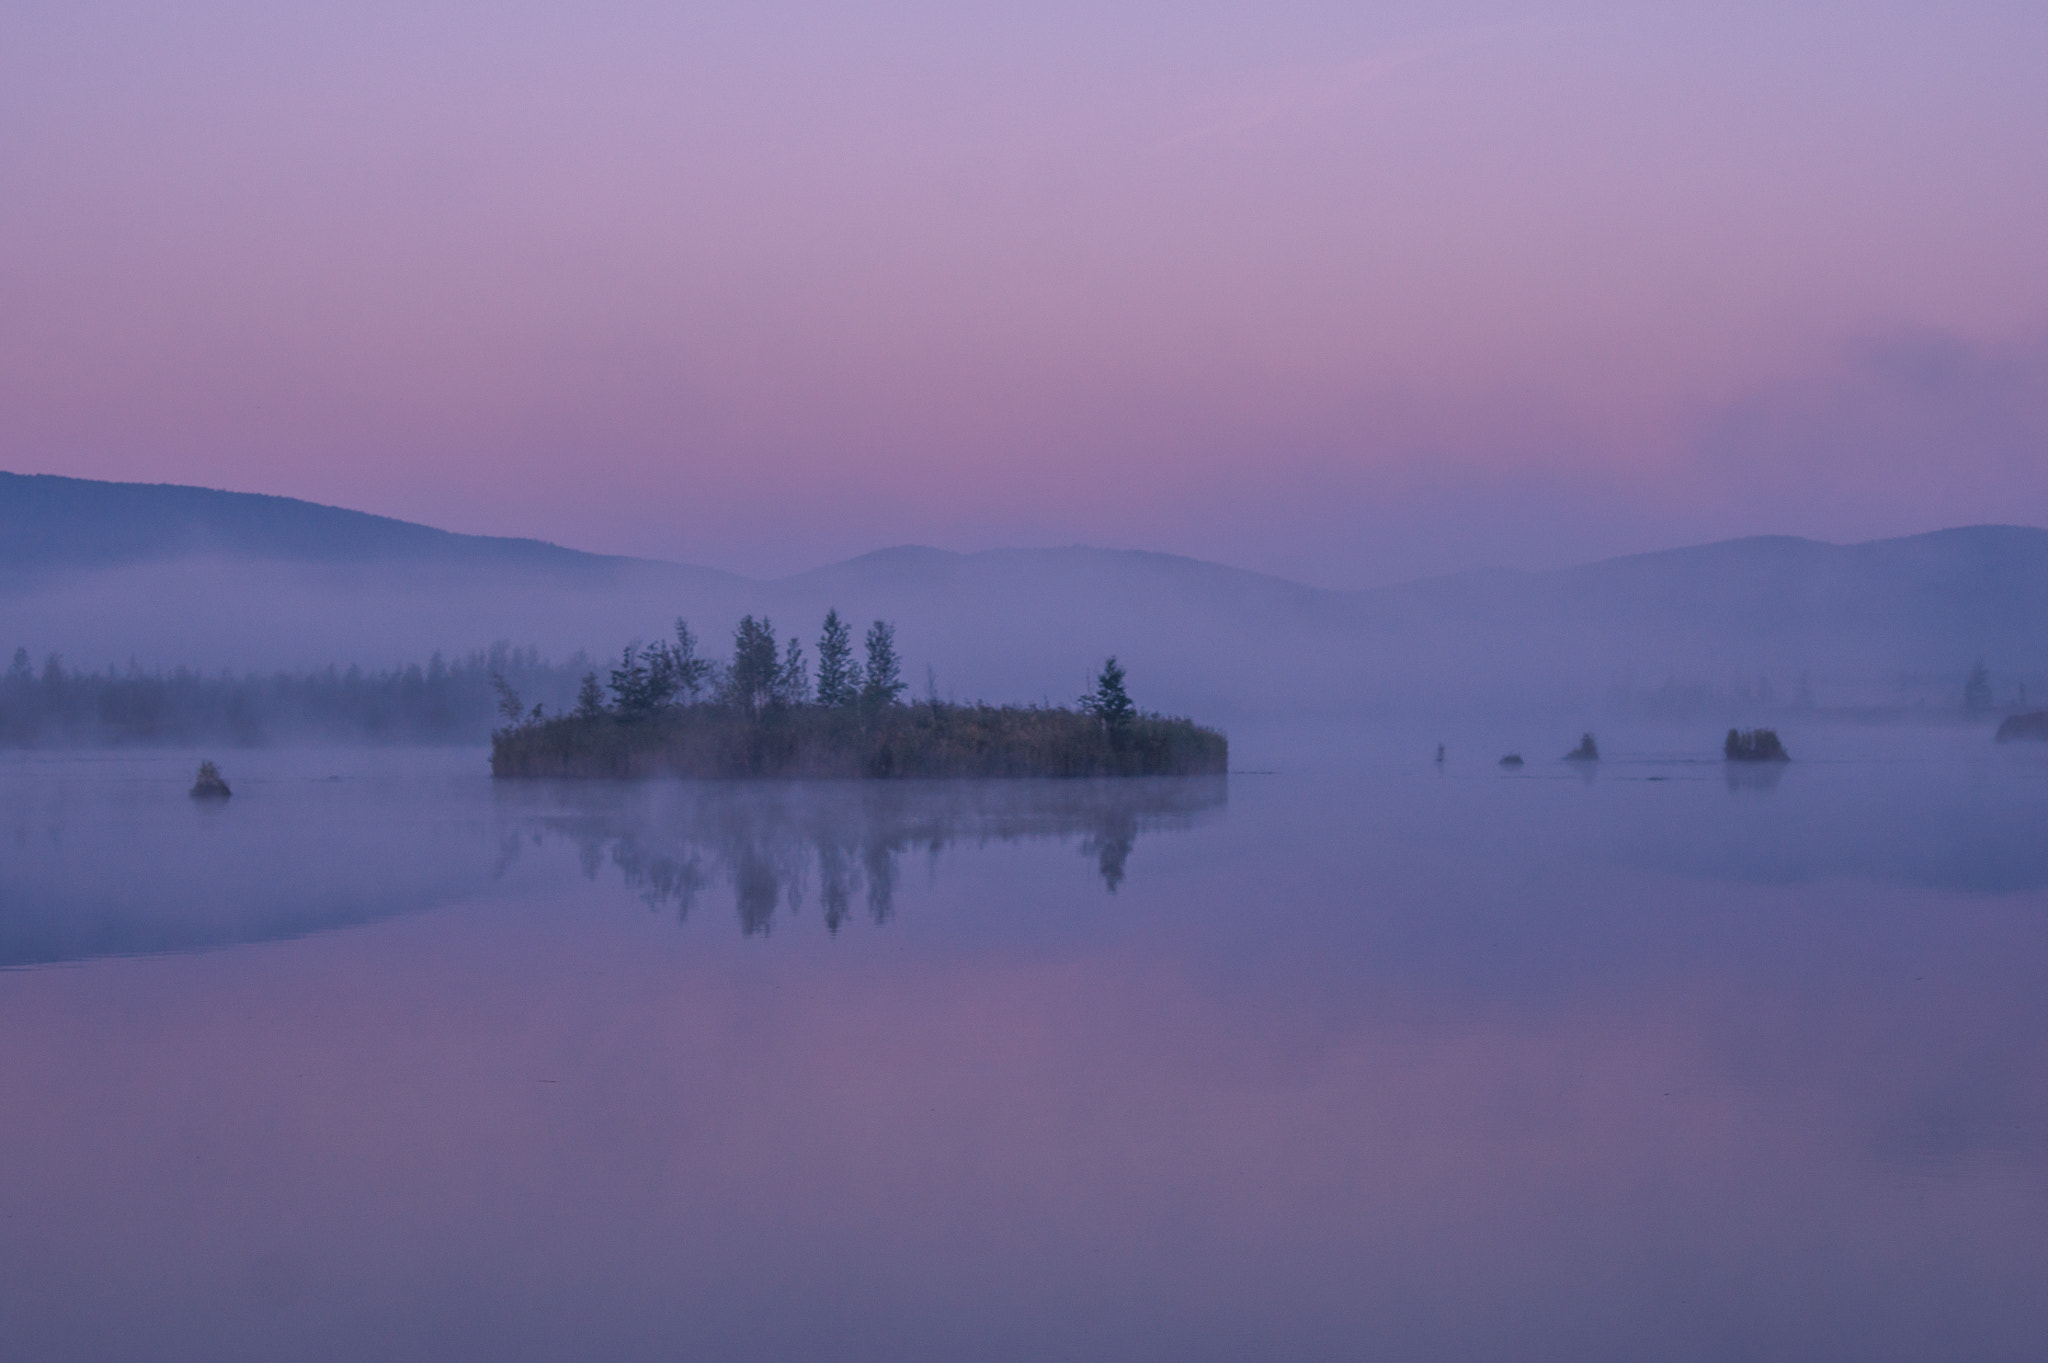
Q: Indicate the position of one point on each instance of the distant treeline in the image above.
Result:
(1972, 693)
(441, 702)
(669, 711)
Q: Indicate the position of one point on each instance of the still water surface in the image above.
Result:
(1353, 1057)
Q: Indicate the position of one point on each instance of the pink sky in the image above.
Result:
(1348, 296)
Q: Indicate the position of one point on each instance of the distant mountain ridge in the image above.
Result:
(49, 522)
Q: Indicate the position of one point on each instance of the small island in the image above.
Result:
(1754, 745)
(670, 712)
(210, 784)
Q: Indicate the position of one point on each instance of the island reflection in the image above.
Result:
(776, 846)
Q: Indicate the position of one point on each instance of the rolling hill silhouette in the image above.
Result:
(49, 523)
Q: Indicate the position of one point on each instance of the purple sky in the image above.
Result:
(1344, 292)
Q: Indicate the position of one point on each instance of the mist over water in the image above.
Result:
(108, 859)
(1737, 632)
(148, 580)
(1346, 1055)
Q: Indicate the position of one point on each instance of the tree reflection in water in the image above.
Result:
(777, 844)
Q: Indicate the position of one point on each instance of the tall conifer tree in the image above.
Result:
(681, 670)
(1110, 703)
(884, 680)
(756, 668)
(589, 697)
(793, 682)
(838, 680)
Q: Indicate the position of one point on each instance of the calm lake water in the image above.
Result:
(1344, 1057)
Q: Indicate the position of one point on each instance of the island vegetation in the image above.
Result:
(668, 710)
(1754, 745)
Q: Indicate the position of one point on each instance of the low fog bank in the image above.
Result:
(1736, 633)
(108, 857)
(316, 839)
(1860, 806)
(319, 839)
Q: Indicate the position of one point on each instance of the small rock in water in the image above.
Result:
(1513, 759)
(210, 785)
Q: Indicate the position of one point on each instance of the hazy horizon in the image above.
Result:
(969, 550)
